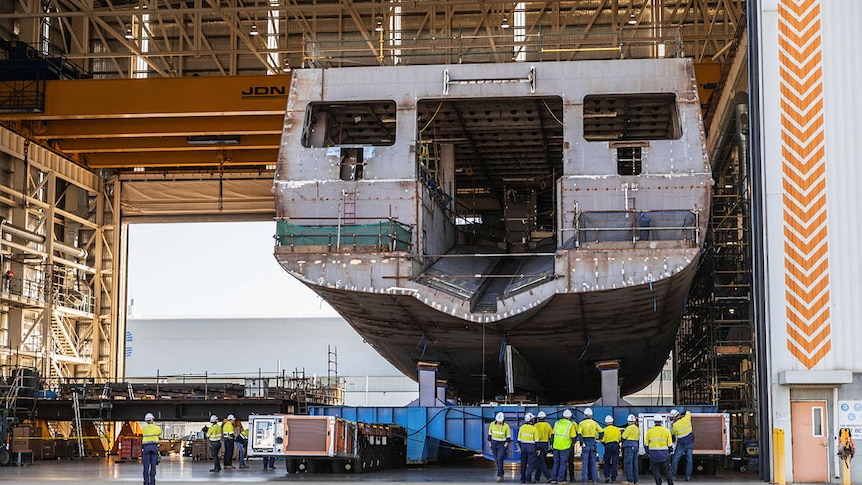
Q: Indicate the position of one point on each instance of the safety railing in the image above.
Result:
(77, 299)
(81, 299)
(382, 235)
(636, 225)
(513, 45)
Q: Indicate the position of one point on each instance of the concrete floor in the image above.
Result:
(176, 470)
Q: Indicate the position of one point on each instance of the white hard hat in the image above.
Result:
(542, 415)
(659, 419)
(567, 414)
(631, 418)
(213, 418)
(500, 417)
(149, 417)
(588, 412)
(528, 417)
(609, 419)
(230, 417)
(674, 413)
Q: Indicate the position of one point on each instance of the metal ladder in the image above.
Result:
(79, 429)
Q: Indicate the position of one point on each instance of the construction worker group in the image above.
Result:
(226, 433)
(536, 437)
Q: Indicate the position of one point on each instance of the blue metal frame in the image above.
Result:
(433, 432)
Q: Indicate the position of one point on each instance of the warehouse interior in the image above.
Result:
(160, 111)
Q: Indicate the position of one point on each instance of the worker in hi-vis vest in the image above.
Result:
(214, 436)
(228, 438)
(683, 436)
(658, 446)
(631, 448)
(565, 430)
(499, 436)
(527, 445)
(589, 431)
(543, 436)
(611, 441)
(150, 448)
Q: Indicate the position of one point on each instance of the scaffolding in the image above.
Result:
(715, 347)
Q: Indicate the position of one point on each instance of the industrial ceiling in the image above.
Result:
(177, 86)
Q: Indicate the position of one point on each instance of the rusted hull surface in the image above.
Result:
(450, 211)
(562, 338)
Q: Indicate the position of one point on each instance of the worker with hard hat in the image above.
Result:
(631, 437)
(527, 445)
(683, 436)
(214, 436)
(228, 437)
(588, 435)
(658, 446)
(152, 434)
(565, 431)
(611, 440)
(241, 442)
(543, 436)
(499, 437)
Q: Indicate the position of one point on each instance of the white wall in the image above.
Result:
(810, 128)
(243, 346)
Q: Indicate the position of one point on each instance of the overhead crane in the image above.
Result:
(222, 122)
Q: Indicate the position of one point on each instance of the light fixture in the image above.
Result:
(379, 26)
(213, 140)
(505, 24)
(253, 32)
(632, 20)
(129, 35)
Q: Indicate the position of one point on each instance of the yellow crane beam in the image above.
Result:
(162, 97)
(128, 123)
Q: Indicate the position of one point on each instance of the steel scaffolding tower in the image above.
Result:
(715, 347)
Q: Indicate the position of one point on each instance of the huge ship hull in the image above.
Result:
(517, 227)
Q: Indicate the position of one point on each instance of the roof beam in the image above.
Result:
(146, 127)
(198, 158)
(172, 144)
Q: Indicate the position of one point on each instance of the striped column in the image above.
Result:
(803, 175)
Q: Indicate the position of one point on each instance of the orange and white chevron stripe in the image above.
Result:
(803, 173)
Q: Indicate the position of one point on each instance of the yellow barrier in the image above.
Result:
(778, 459)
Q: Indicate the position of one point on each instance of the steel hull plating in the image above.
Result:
(562, 337)
(517, 224)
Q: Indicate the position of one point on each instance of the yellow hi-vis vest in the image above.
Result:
(632, 433)
(527, 433)
(682, 426)
(214, 432)
(564, 431)
(499, 431)
(152, 433)
(657, 437)
(543, 432)
(588, 428)
(612, 434)
(227, 430)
